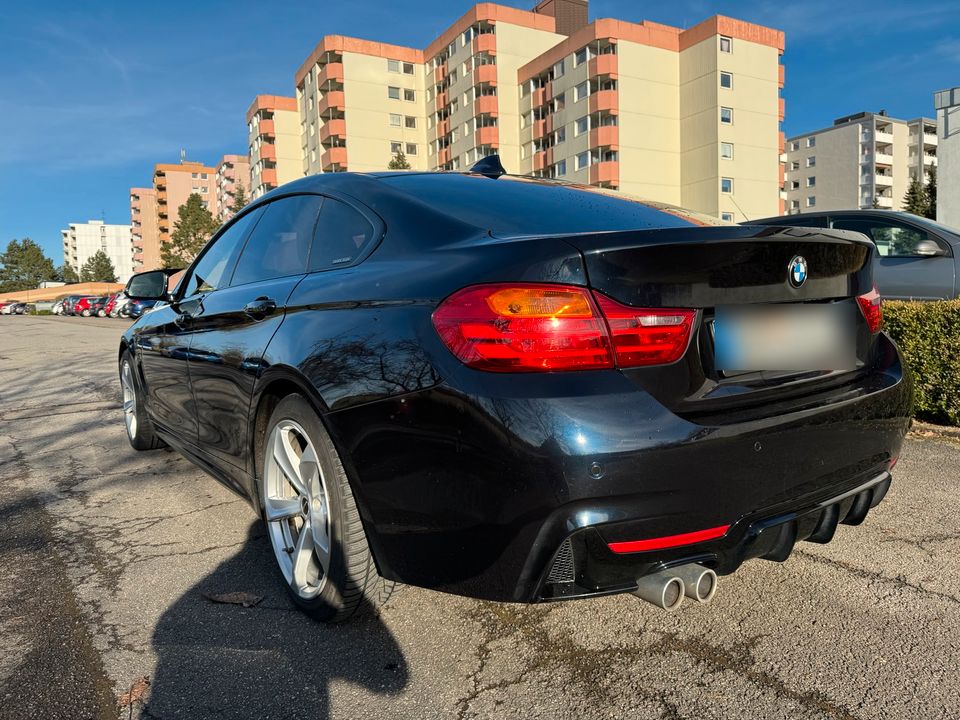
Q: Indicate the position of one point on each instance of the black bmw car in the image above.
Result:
(519, 390)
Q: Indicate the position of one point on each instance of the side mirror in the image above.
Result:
(927, 248)
(150, 285)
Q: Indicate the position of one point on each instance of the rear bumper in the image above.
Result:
(474, 487)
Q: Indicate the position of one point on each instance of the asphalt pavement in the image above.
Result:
(108, 558)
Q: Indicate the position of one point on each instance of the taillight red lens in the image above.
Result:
(646, 336)
(520, 327)
(871, 305)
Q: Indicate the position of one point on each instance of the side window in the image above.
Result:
(280, 244)
(342, 234)
(216, 263)
(893, 239)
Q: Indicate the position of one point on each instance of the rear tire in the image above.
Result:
(140, 430)
(85, 313)
(312, 519)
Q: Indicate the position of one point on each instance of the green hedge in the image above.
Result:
(929, 335)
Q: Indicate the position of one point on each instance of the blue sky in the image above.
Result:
(95, 93)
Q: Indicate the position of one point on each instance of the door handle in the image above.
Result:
(260, 308)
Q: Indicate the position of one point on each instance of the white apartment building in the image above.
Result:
(81, 241)
(863, 160)
(947, 103)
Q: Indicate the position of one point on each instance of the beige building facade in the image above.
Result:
(81, 241)
(233, 172)
(144, 229)
(947, 104)
(690, 117)
(864, 160)
(273, 129)
(173, 184)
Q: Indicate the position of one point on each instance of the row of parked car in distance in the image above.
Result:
(116, 305)
(13, 308)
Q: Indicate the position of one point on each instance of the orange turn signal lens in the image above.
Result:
(531, 302)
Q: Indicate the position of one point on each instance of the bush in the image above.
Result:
(928, 333)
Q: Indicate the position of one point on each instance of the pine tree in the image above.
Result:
(66, 273)
(915, 200)
(931, 210)
(98, 268)
(399, 162)
(194, 226)
(240, 200)
(24, 266)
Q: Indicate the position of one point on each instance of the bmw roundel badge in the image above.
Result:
(798, 271)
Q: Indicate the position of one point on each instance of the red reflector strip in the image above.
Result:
(669, 541)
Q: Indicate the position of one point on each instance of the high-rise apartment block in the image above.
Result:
(144, 229)
(273, 128)
(81, 241)
(947, 103)
(683, 116)
(863, 160)
(233, 172)
(173, 184)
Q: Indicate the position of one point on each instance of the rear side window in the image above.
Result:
(342, 235)
(893, 239)
(280, 244)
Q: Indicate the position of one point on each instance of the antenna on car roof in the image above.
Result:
(489, 166)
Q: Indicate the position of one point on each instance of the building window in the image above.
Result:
(726, 150)
(812, 181)
(794, 146)
(794, 204)
(411, 149)
(393, 92)
(395, 147)
(727, 216)
(726, 185)
(408, 68)
(561, 168)
(581, 91)
(811, 141)
(393, 66)
(726, 80)
(726, 44)
(583, 160)
(394, 120)
(310, 102)
(812, 161)
(558, 69)
(560, 135)
(795, 165)
(726, 115)
(194, 175)
(409, 95)
(794, 184)
(580, 57)
(811, 201)
(410, 122)
(583, 125)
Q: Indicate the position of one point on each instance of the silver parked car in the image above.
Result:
(915, 258)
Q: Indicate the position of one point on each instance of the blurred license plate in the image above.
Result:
(751, 338)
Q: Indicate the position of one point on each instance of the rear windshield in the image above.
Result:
(513, 205)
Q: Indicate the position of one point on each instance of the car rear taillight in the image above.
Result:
(524, 328)
(646, 336)
(871, 305)
(520, 327)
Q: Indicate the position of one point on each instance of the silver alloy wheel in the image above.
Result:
(129, 399)
(296, 510)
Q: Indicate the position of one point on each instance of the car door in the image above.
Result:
(234, 324)
(164, 335)
(900, 272)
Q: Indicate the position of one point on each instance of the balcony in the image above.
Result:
(330, 72)
(268, 151)
(605, 101)
(883, 180)
(331, 129)
(608, 136)
(443, 127)
(885, 202)
(268, 176)
(603, 65)
(267, 127)
(441, 99)
(607, 172)
(883, 158)
(538, 97)
(780, 77)
(539, 128)
(487, 136)
(485, 43)
(781, 108)
(443, 156)
(331, 100)
(334, 156)
(485, 74)
(486, 105)
(439, 73)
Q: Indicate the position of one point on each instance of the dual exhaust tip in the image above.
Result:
(667, 588)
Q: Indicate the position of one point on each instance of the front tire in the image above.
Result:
(140, 430)
(85, 313)
(312, 519)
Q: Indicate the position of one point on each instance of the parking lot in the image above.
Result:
(108, 556)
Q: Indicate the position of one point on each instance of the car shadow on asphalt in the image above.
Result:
(269, 660)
